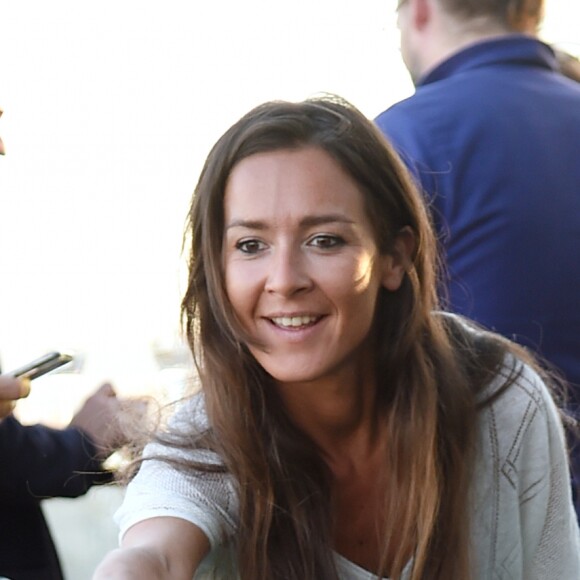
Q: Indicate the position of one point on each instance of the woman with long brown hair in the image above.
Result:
(346, 428)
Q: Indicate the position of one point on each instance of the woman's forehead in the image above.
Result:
(292, 183)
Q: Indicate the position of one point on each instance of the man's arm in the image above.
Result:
(37, 462)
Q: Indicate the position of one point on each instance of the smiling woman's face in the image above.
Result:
(302, 268)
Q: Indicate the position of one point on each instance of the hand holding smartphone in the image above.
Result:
(42, 365)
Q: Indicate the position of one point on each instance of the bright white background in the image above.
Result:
(109, 110)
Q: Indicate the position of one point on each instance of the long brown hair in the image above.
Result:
(425, 394)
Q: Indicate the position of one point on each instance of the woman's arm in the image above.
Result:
(160, 548)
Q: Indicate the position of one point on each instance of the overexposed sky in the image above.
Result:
(109, 110)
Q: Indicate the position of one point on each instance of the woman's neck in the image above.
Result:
(338, 415)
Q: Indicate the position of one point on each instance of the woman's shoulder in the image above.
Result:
(182, 437)
(513, 375)
(520, 496)
(182, 478)
(519, 421)
(518, 383)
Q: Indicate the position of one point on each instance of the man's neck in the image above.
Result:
(455, 39)
(447, 33)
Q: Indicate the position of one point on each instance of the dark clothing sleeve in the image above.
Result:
(37, 462)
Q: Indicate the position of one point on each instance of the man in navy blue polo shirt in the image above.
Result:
(492, 134)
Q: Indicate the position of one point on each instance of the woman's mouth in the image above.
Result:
(294, 321)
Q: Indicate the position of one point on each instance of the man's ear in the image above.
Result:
(396, 263)
(421, 13)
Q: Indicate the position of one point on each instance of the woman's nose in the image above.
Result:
(287, 272)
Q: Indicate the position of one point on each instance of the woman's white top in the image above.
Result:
(523, 525)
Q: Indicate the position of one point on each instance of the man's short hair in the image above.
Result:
(517, 15)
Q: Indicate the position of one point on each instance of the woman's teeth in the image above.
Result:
(294, 321)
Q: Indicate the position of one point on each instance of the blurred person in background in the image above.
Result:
(569, 64)
(38, 462)
(492, 135)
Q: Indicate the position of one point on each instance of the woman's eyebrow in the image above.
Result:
(248, 224)
(307, 221)
(317, 220)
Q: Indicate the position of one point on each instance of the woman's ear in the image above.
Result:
(399, 260)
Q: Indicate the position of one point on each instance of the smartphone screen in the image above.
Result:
(42, 365)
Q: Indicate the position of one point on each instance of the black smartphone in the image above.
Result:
(42, 365)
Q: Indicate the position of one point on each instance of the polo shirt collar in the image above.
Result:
(515, 49)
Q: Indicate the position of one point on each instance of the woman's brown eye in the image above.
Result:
(326, 241)
(250, 246)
